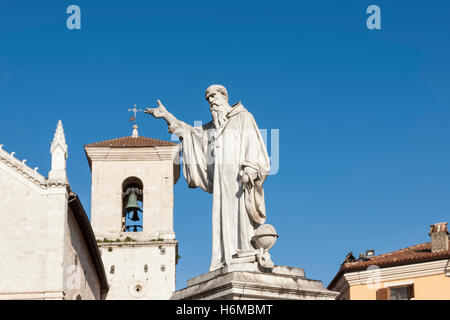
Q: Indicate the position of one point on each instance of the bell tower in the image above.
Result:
(132, 214)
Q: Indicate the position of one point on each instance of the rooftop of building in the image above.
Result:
(414, 254)
(133, 141)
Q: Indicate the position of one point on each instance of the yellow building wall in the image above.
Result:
(436, 287)
(432, 288)
(363, 292)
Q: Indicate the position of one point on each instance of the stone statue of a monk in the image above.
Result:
(228, 158)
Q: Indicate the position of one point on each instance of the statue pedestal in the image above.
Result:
(248, 281)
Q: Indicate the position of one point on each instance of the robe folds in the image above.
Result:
(213, 160)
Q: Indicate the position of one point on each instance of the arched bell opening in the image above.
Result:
(132, 205)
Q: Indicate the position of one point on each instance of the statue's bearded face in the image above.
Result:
(216, 100)
(218, 105)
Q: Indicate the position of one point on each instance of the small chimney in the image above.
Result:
(439, 237)
(370, 253)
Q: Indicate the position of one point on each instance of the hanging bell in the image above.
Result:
(132, 204)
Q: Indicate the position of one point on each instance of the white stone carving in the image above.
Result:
(245, 281)
(59, 154)
(22, 169)
(228, 158)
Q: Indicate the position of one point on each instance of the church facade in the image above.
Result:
(47, 246)
(128, 251)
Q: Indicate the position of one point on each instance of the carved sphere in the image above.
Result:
(265, 237)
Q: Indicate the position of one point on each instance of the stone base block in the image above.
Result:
(248, 282)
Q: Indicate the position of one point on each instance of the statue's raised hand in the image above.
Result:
(159, 112)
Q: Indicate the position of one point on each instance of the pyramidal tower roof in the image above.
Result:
(59, 138)
(133, 141)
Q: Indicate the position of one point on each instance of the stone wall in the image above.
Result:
(80, 278)
(40, 239)
(107, 179)
(141, 270)
(23, 213)
(138, 265)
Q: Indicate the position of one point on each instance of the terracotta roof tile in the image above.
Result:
(414, 254)
(419, 253)
(131, 142)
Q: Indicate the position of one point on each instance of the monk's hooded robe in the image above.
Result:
(212, 160)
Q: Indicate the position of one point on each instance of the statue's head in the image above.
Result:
(217, 95)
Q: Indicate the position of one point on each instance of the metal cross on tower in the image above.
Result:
(134, 110)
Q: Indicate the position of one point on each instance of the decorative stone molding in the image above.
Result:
(57, 176)
(34, 295)
(398, 283)
(135, 244)
(57, 183)
(23, 169)
(139, 154)
(246, 281)
(447, 269)
(58, 151)
(382, 275)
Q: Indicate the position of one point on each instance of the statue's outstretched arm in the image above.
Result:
(175, 126)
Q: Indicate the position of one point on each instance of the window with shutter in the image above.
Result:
(411, 291)
(383, 294)
(402, 292)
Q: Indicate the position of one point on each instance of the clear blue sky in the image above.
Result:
(363, 115)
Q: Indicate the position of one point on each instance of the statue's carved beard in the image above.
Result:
(219, 115)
